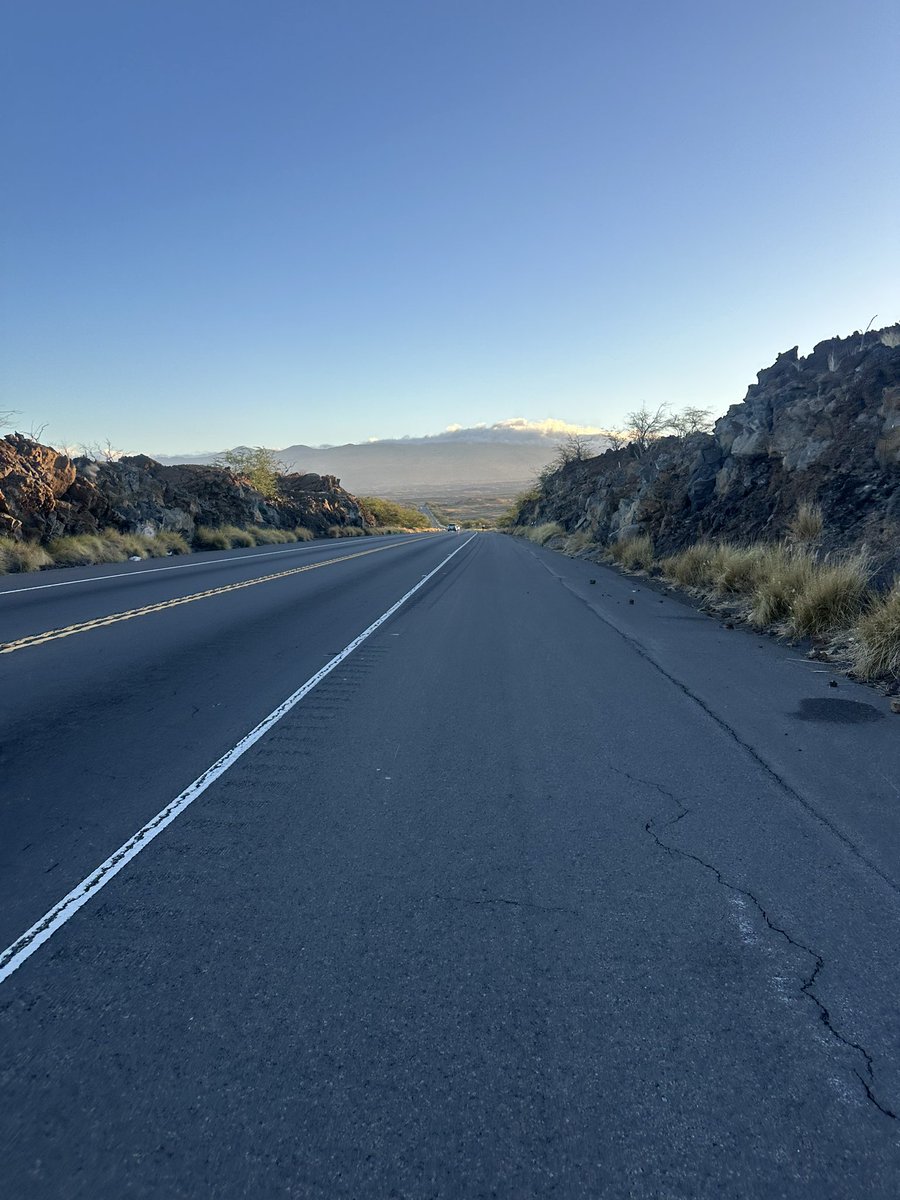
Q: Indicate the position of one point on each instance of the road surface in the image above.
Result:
(548, 886)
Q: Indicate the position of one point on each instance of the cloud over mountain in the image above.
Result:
(515, 430)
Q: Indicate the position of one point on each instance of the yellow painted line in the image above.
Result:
(54, 635)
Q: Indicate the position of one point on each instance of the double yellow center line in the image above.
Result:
(54, 635)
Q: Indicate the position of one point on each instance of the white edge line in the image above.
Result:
(23, 947)
(207, 562)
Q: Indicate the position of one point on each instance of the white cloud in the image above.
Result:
(549, 427)
(512, 430)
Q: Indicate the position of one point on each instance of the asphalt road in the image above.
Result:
(551, 887)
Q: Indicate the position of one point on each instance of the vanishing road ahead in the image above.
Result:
(549, 886)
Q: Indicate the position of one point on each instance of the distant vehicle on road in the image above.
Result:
(453, 529)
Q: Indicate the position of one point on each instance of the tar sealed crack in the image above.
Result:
(866, 1076)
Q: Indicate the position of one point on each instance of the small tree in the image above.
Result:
(256, 463)
(6, 417)
(691, 420)
(574, 448)
(644, 426)
(617, 438)
(98, 451)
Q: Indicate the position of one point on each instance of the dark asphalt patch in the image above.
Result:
(839, 712)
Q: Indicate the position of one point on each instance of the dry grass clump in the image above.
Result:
(207, 538)
(787, 574)
(578, 541)
(264, 536)
(171, 542)
(690, 567)
(143, 545)
(541, 534)
(84, 549)
(736, 570)
(724, 568)
(784, 584)
(302, 534)
(238, 537)
(336, 531)
(833, 597)
(22, 556)
(633, 553)
(132, 544)
(876, 652)
(807, 523)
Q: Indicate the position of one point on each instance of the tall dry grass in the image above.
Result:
(690, 567)
(834, 596)
(22, 556)
(110, 546)
(541, 534)
(337, 531)
(782, 584)
(633, 553)
(578, 541)
(807, 523)
(876, 650)
(85, 549)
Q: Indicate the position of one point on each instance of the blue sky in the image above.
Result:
(327, 221)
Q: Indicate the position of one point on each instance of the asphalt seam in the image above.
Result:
(53, 635)
(867, 1080)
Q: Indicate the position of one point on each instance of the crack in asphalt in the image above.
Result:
(770, 771)
(807, 987)
(867, 1080)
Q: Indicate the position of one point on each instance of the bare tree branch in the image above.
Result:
(644, 426)
(575, 448)
(691, 420)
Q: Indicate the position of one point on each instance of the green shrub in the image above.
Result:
(258, 464)
(390, 513)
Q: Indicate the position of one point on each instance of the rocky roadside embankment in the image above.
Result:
(45, 495)
(824, 429)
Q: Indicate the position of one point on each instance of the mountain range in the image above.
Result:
(508, 454)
